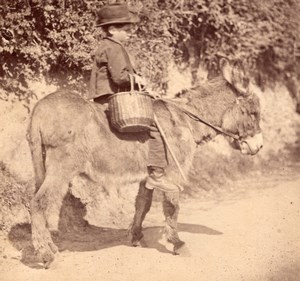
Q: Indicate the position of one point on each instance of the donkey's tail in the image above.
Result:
(34, 139)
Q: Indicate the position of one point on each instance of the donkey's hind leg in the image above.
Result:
(48, 197)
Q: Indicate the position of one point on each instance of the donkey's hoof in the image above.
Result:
(136, 238)
(47, 258)
(140, 243)
(177, 246)
(136, 243)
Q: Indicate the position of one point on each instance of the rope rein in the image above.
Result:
(199, 119)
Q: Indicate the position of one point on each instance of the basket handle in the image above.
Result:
(131, 77)
(131, 82)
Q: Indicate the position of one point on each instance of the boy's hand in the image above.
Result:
(140, 80)
(153, 94)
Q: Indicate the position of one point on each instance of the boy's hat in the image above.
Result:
(114, 14)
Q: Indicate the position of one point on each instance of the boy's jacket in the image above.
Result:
(111, 68)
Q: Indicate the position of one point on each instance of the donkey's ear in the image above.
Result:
(226, 69)
(222, 62)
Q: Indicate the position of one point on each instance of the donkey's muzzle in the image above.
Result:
(251, 145)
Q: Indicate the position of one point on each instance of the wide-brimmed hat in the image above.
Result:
(115, 14)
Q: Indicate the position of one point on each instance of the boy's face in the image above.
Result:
(121, 33)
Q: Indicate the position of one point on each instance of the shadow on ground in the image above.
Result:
(76, 235)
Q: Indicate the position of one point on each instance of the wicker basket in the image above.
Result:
(131, 111)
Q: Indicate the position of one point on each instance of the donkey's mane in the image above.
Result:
(208, 99)
(202, 90)
(216, 99)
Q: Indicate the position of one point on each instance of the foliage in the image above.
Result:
(262, 34)
(13, 198)
(45, 40)
(55, 38)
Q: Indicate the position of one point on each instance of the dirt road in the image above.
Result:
(250, 235)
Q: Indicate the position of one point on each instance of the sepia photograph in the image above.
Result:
(153, 140)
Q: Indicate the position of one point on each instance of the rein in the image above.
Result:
(197, 118)
(194, 117)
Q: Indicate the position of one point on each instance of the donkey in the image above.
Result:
(72, 143)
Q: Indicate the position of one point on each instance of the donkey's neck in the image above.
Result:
(211, 100)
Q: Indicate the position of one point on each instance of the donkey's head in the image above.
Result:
(243, 117)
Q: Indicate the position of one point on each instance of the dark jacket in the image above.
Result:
(111, 68)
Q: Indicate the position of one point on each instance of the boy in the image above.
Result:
(111, 74)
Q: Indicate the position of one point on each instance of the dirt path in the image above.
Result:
(250, 235)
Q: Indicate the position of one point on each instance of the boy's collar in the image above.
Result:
(114, 40)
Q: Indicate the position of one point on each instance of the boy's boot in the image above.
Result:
(157, 179)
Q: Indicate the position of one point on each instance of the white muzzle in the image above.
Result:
(251, 145)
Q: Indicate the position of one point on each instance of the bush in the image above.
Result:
(14, 200)
(55, 38)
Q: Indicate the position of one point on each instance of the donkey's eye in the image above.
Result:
(254, 115)
(246, 81)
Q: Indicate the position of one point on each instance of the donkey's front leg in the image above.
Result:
(171, 210)
(142, 206)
